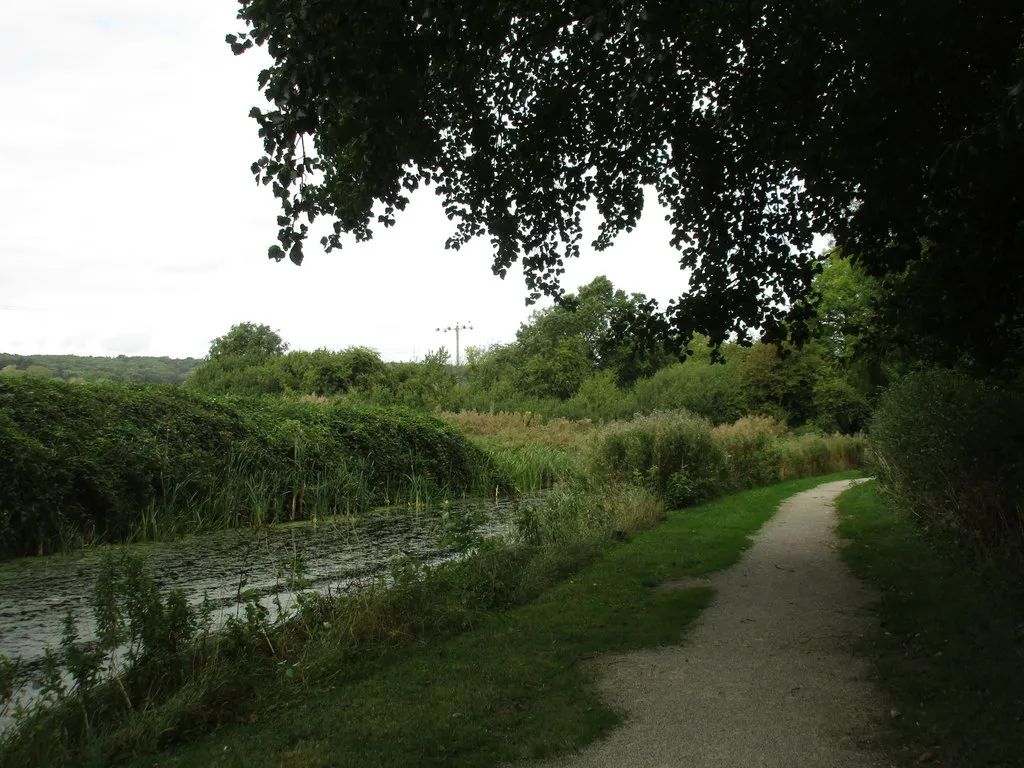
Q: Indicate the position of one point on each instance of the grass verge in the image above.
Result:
(513, 687)
(950, 649)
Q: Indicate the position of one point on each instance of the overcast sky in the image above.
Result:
(130, 222)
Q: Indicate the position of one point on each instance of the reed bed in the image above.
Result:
(521, 428)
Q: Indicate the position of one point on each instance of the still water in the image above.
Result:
(36, 593)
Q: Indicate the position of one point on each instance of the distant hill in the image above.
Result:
(156, 370)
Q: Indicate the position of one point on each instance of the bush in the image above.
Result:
(948, 450)
(656, 448)
(713, 391)
(687, 461)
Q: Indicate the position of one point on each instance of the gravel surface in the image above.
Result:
(768, 676)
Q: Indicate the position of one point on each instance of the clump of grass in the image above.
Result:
(576, 515)
(528, 467)
(661, 449)
(752, 451)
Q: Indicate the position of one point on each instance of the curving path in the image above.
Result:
(769, 677)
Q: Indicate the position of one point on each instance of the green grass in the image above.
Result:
(950, 650)
(513, 687)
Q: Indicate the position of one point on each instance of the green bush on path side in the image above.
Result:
(688, 460)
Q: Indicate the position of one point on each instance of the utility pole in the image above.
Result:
(457, 327)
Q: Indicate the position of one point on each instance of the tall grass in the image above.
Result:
(107, 462)
(812, 455)
(685, 459)
(521, 428)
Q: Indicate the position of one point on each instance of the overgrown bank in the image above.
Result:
(85, 463)
(387, 677)
(106, 462)
(951, 654)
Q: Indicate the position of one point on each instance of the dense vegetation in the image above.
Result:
(758, 127)
(895, 128)
(950, 453)
(108, 462)
(582, 360)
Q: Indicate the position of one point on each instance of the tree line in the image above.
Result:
(583, 359)
(125, 368)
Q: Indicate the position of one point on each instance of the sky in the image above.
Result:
(131, 224)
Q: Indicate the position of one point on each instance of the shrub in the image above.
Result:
(948, 449)
(686, 460)
(713, 391)
(656, 448)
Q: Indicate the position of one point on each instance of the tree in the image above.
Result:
(603, 320)
(896, 127)
(250, 341)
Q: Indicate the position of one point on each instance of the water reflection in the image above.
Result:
(36, 593)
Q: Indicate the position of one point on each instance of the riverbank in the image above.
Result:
(513, 687)
(84, 464)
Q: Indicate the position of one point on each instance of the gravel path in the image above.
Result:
(768, 677)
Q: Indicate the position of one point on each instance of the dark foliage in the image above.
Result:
(896, 127)
(948, 452)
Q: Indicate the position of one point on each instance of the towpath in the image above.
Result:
(769, 677)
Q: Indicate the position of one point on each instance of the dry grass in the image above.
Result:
(811, 455)
(749, 428)
(634, 509)
(520, 428)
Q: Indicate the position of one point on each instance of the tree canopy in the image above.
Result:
(894, 127)
(248, 340)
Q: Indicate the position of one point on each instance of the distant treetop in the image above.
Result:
(248, 340)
